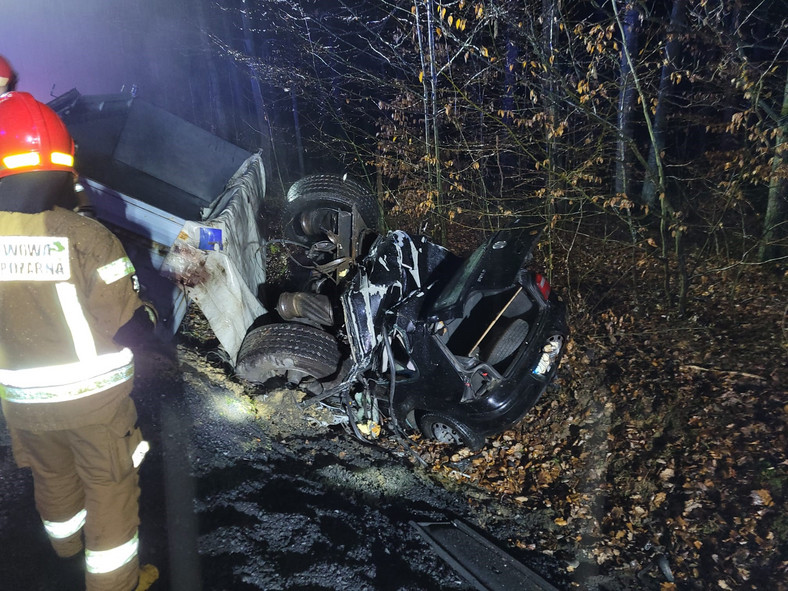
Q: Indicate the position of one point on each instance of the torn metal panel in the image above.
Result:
(146, 233)
(397, 268)
(483, 564)
(376, 290)
(147, 172)
(220, 261)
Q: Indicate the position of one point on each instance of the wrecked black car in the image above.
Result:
(394, 325)
(371, 325)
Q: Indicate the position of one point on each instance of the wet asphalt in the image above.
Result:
(229, 504)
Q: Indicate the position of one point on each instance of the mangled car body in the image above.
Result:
(395, 325)
(385, 329)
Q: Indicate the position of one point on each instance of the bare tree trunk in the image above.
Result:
(263, 127)
(509, 79)
(425, 93)
(217, 115)
(550, 11)
(626, 98)
(297, 126)
(230, 79)
(427, 56)
(678, 23)
(435, 135)
(506, 161)
(666, 211)
(775, 219)
(548, 91)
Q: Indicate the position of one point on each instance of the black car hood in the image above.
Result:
(493, 266)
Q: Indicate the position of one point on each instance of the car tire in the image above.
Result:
(326, 191)
(505, 342)
(445, 429)
(297, 352)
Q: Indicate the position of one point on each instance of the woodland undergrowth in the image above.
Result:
(660, 451)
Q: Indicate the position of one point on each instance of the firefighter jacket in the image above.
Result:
(66, 287)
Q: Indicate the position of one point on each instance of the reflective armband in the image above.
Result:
(117, 269)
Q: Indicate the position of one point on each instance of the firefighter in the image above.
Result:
(7, 76)
(66, 289)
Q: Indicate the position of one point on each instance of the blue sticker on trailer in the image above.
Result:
(210, 239)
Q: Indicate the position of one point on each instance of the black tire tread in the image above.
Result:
(321, 190)
(290, 350)
(506, 342)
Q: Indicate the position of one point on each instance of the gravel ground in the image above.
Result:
(245, 493)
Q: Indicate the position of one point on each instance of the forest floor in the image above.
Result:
(657, 459)
(661, 452)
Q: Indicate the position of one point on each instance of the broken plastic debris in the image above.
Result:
(369, 429)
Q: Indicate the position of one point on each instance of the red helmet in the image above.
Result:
(6, 72)
(32, 137)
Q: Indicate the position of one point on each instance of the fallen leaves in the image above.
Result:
(761, 497)
(658, 499)
(663, 437)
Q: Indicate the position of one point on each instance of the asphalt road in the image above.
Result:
(235, 498)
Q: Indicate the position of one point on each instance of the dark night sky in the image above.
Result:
(99, 46)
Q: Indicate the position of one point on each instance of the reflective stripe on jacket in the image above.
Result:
(59, 383)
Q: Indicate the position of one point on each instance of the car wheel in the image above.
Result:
(313, 200)
(447, 430)
(296, 352)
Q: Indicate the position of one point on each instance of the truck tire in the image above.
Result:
(329, 193)
(296, 352)
(445, 429)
